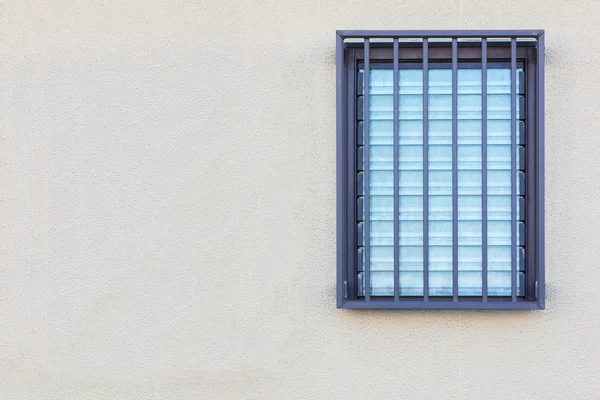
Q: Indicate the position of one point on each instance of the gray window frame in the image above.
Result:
(481, 47)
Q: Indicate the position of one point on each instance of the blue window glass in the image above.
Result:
(439, 188)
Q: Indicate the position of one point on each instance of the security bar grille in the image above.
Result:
(440, 169)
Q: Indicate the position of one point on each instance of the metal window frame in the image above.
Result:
(506, 45)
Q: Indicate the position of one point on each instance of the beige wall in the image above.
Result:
(167, 209)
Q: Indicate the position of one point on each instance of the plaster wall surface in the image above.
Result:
(167, 209)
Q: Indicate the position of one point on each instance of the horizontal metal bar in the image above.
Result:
(466, 305)
(440, 55)
(348, 34)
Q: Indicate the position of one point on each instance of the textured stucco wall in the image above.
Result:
(167, 209)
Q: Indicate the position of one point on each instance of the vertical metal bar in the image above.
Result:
(341, 222)
(425, 169)
(513, 167)
(539, 218)
(396, 184)
(454, 169)
(484, 227)
(367, 181)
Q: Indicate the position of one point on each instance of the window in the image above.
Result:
(440, 170)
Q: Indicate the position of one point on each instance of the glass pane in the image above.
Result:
(469, 214)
